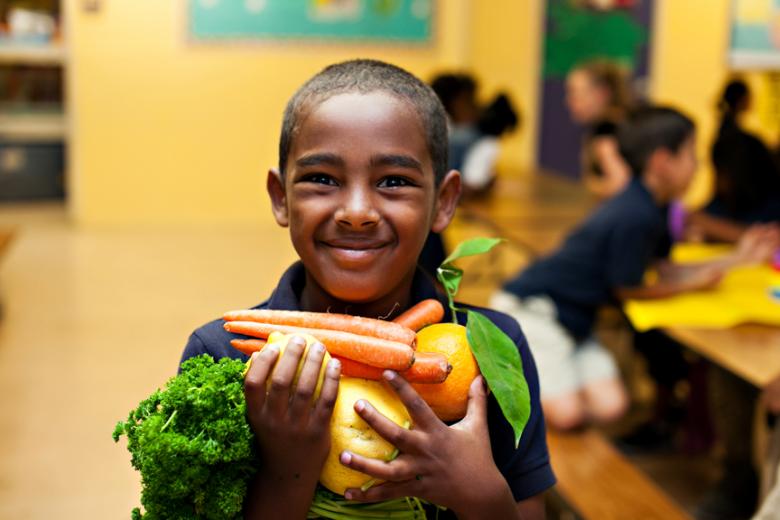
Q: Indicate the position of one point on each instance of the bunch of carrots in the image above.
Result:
(365, 346)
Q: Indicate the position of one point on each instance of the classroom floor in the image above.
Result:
(94, 320)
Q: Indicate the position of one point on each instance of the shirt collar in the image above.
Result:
(286, 296)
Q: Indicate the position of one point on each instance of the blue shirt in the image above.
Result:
(526, 469)
(611, 249)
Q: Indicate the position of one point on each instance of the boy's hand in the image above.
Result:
(448, 466)
(758, 243)
(292, 434)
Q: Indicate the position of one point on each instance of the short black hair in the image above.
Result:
(365, 76)
(649, 129)
(498, 117)
(449, 86)
(734, 93)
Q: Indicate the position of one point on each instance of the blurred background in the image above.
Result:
(135, 137)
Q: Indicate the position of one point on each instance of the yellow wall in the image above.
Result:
(166, 131)
(689, 69)
(506, 55)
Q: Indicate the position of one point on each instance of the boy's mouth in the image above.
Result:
(355, 251)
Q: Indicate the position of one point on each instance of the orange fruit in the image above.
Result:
(449, 399)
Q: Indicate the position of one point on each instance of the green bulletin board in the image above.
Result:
(336, 20)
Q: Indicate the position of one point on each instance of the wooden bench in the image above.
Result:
(6, 235)
(601, 484)
(5, 240)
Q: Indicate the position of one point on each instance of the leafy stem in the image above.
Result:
(495, 352)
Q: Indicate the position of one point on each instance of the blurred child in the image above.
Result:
(362, 179)
(473, 134)
(478, 169)
(604, 261)
(747, 178)
(598, 98)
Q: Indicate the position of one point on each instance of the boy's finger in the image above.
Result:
(261, 365)
(399, 437)
(397, 470)
(328, 393)
(283, 376)
(385, 491)
(421, 413)
(477, 405)
(307, 382)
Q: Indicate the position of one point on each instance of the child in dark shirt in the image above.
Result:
(747, 177)
(604, 261)
(362, 179)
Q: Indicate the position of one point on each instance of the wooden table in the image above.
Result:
(535, 212)
(750, 351)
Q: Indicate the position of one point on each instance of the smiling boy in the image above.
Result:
(362, 180)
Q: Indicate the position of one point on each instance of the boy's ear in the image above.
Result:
(447, 198)
(658, 160)
(278, 193)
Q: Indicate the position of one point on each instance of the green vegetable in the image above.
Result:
(495, 352)
(192, 444)
(196, 452)
(335, 507)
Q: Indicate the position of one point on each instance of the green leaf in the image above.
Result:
(471, 247)
(501, 366)
(451, 276)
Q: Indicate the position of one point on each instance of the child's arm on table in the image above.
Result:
(446, 465)
(293, 437)
(756, 245)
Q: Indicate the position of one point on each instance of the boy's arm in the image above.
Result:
(696, 279)
(709, 227)
(756, 245)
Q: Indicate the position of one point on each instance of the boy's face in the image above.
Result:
(681, 167)
(359, 195)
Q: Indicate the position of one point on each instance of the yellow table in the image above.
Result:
(736, 325)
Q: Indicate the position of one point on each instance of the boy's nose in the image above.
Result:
(357, 212)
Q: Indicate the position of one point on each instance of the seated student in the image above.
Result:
(747, 178)
(478, 168)
(457, 93)
(604, 261)
(362, 179)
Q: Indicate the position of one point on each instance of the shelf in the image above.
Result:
(48, 54)
(33, 127)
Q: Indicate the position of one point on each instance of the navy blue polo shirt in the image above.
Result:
(611, 249)
(526, 469)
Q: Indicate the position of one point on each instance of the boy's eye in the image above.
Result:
(394, 181)
(320, 178)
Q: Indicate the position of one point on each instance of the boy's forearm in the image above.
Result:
(501, 504)
(662, 289)
(278, 497)
(715, 228)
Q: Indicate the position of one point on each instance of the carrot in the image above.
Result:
(428, 367)
(321, 320)
(427, 312)
(248, 346)
(376, 352)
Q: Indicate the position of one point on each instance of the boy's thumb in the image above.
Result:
(477, 407)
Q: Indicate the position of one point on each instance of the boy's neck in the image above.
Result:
(315, 299)
(658, 191)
